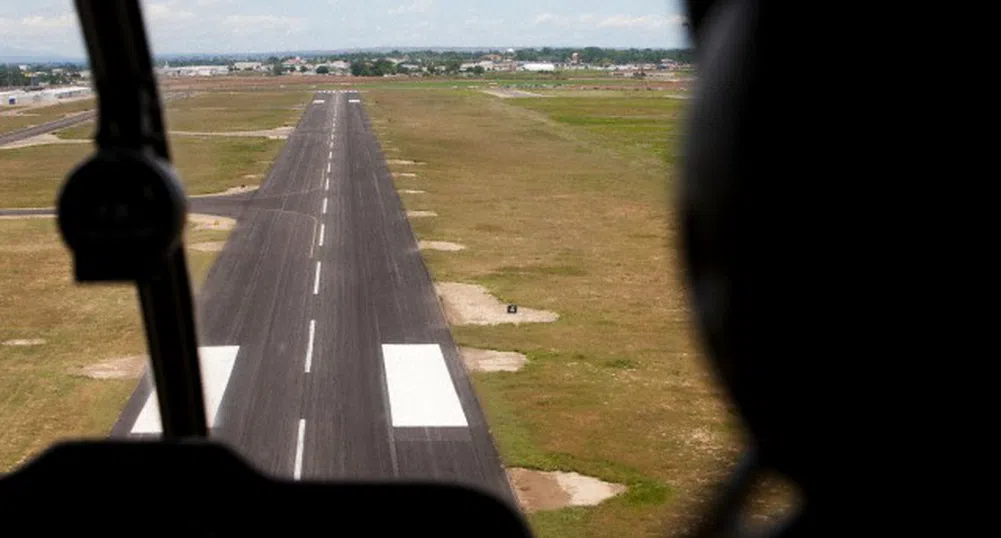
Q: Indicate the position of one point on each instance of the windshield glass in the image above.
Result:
(428, 239)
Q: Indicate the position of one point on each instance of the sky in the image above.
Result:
(50, 27)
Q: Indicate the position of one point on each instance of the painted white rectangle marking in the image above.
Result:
(421, 393)
(323, 228)
(318, 101)
(316, 280)
(328, 168)
(324, 206)
(309, 346)
(330, 154)
(326, 184)
(216, 363)
(297, 473)
(353, 101)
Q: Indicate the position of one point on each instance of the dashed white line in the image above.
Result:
(323, 228)
(316, 281)
(328, 168)
(330, 154)
(326, 185)
(298, 448)
(324, 206)
(309, 346)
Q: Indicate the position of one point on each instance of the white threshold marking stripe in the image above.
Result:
(421, 393)
(297, 473)
(323, 228)
(324, 206)
(216, 364)
(309, 346)
(316, 281)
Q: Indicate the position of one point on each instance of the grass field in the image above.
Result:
(220, 111)
(42, 399)
(565, 204)
(32, 175)
(29, 116)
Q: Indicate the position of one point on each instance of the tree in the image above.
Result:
(302, 68)
(323, 70)
(276, 69)
(478, 70)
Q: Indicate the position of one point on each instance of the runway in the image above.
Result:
(325, 351)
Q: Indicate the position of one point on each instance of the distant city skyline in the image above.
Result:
(177, 27)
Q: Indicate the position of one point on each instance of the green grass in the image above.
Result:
(221, 111)
(33, 175)
(42, 400)
(30, 116)
(236, 111)
(566, 204)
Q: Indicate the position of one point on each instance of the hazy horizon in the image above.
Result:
(49, 28)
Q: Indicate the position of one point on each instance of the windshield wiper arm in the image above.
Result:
(122, 211)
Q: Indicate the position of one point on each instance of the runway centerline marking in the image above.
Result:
(328, 168)
(323, 228)
(316, 280)
(309, 346)
(326, 185)
(324, 206)
(297, 473)
(421, 391)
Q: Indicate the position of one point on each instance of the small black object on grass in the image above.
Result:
(512, 309)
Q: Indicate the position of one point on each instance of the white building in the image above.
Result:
(539, 66)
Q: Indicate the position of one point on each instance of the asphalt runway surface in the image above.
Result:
(325, 351)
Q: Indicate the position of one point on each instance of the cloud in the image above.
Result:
(42, 34)
(252, 24)
(167, 12)
(645, 22)
(417, 6)
(590, 21)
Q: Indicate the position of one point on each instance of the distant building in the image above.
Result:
(248, 66)
(539, 67)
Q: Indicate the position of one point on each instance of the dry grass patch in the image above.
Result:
(37, 115)
(33, 175)
(566, 205)
(66, 387)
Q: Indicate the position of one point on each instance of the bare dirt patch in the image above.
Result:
(120, 368)
(16, 217)
(421, 214)
(472, 304)
(412, 191)
(44, 140)
(278, 133)
(403, 161)
(541, 490)
(488, 360)
(211, 222)
(504, 93)
(440, 245)
(232, 190)
(209, 246)
(24, 342)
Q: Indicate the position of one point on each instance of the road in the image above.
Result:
(326, 354)
(62, 123)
